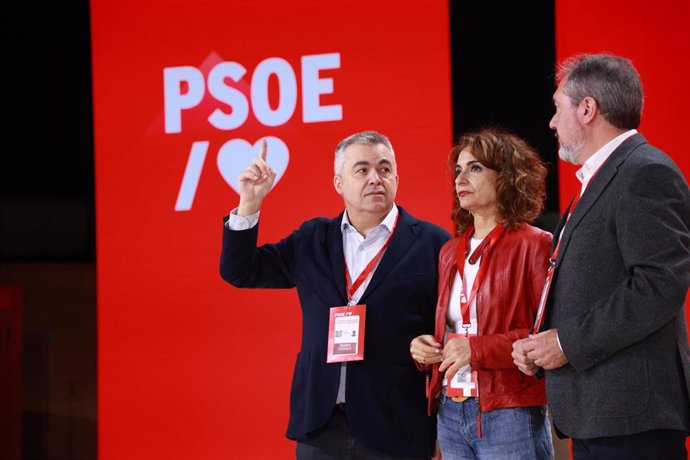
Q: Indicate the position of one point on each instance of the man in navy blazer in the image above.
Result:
(614, 344)
(375, 407)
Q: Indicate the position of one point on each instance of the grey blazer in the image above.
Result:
(617, 300)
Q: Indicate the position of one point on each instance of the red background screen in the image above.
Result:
(188, 366)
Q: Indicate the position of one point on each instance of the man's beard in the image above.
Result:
(571, 152)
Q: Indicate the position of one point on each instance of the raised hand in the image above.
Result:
(255, 181)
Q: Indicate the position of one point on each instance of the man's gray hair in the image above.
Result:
(361, 138)
(611, 80)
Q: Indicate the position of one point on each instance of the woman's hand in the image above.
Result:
(426, 350)
(456, 354)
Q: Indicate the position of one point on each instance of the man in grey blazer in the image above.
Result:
(614, 341)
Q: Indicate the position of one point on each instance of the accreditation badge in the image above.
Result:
(464, 381)
(346, 333)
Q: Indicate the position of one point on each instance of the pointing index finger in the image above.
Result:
(264, 149)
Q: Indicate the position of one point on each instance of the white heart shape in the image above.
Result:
(237, 154)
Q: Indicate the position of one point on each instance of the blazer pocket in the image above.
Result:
(591, 230)
(624, 383)
(412, 276)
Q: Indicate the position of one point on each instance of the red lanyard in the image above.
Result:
(352, 288)
(482, 251)
(552, 266)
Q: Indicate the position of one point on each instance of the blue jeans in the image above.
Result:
(522, 433)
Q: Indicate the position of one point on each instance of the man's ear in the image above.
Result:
(336, 185)
(589, 109)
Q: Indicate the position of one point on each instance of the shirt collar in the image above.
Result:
(593, 163)
(388, 222)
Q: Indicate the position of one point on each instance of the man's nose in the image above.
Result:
(375, 178)
(552, 123)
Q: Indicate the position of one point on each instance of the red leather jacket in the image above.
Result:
(507, 303)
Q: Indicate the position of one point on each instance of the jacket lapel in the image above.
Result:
(337, 256)
(403, 237)
(559, 227)
(596, 187)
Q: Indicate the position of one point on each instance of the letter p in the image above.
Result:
(173, 98)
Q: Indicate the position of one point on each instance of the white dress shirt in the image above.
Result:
(593, 163)
(358, 253)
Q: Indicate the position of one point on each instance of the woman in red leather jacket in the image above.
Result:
(490, 281)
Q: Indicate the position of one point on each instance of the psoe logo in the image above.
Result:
(184, 88)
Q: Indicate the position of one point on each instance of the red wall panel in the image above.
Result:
(188, 366)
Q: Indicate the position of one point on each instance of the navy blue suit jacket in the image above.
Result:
(385, 393)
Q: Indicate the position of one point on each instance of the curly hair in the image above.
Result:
(520, 182)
